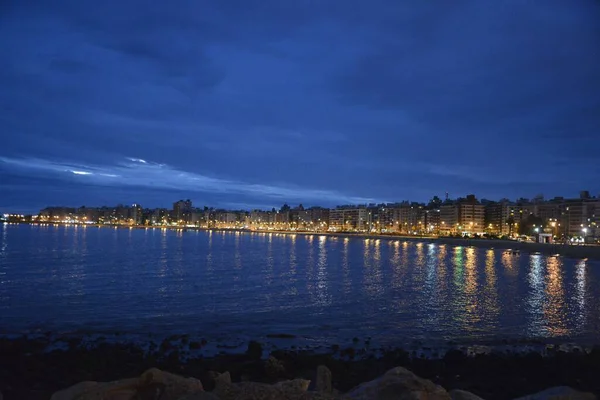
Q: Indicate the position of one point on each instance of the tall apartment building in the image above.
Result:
(432, 220)
(462, 216)
(259, 218)
(411, 218)
(349, 219)
(448, 218)
(580, 217)
(182, 211)
(497, 218)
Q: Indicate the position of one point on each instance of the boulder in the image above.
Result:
(398, 384)
(295, 385)
(323, 383)
(223, 379)
(171, 386)
(262, 391)
(199, 396)
(560, 393)
(274, 368)
(255, 350)
(458, 394)
(153, 384)
(73, 392)
(118, 390)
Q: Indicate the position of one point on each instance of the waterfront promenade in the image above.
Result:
(565, 250)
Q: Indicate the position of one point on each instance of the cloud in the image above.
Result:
(353, 100)
(145, 174)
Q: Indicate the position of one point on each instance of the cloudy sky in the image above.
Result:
(239, 103)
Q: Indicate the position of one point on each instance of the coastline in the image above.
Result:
(564, 250)
(29, 371)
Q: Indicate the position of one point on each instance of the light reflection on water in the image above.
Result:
(317, 286)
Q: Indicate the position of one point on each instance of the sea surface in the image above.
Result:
(235, 286)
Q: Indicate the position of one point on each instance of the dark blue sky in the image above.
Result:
(253, 103)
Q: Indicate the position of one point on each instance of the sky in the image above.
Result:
(250, 104)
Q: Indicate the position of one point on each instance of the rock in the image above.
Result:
(254, 350)
(458, 394)
(223, 379)
(72, 392)
(274, 368)
(199, 396)
(295, 385)
(262, 391)
(560, 393)
(398, 384)
(153, 384)
(172, 386)
(324, 379)
(118, 390)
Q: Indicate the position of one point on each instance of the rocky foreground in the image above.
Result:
(30, 370)
(397, 383)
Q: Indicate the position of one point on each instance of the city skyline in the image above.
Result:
(558, 217)
(249, 104)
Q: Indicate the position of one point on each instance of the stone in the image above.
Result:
(255, 350)
(153, 384)
(262, 391)
(223, 379)
(295, 385)
(199, 396)
(458, 394)
(72, 392)
(171, 386)
(398, 384)
(560, 393)
(324, 379)
(274, 368)
(124, 389)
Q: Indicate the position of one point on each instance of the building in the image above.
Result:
(259, 219)
(182, 212)
(353, 219)
(432, 220)
(463, 216)
(580, 217)
(497, 219)
(411, 218)
(471, 216)
(136, 214)
(160, 216)
(448, 218)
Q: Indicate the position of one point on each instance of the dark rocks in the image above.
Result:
(126, 388)
(199, 396)
(274, 368)
(223, 379)
(560, 393)
(195, 345)
(398, 383)
(323, 380)
(255, 350)
(262, 391)
(152, 384)
(172, 386)
(463, 395)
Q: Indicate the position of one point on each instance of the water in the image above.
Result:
(236, 286)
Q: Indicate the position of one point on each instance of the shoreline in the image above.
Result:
(29, 371)
(565, 250)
